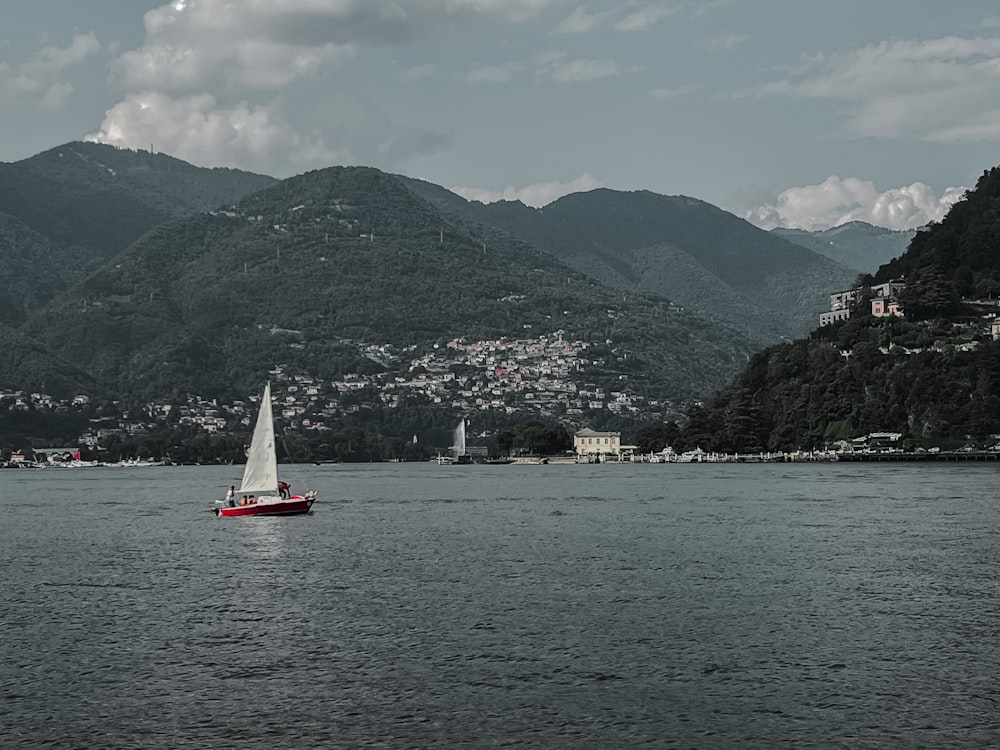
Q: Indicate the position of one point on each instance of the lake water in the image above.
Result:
(705, 606)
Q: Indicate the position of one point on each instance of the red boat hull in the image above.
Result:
(295, 505)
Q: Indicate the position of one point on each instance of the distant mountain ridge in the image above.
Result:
(686, 250)
(856, 244)
(108, 197)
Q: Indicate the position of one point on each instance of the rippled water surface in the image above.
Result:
(531, 606)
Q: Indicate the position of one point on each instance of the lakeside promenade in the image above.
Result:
(779, 457)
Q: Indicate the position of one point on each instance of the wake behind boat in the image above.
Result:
(259, 491)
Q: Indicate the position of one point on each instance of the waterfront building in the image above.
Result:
(592, 444)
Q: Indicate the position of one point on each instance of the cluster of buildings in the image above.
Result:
(549, 376)
(884, 299)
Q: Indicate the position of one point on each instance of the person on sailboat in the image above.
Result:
(284, 489)
(231, 496)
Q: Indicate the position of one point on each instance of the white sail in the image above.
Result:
(459, 446)
(260, 477)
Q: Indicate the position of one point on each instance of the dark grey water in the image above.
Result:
(706, 606)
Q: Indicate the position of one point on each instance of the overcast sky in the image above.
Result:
(786, 112)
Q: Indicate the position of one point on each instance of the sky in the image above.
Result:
(783, 112)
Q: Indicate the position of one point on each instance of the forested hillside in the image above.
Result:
(957, 259)
(686, 250)
(34, 269)
(303, 271)
(102, 198)
(64, 213)
(934, 376)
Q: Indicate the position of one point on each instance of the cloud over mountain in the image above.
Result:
(536, 195)
(209, 80)
(836, 201)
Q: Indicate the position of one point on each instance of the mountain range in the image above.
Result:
(139, 275)
(681, 248)
(855, 244)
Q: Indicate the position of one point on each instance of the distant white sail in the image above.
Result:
(459, 446)
(260, 477)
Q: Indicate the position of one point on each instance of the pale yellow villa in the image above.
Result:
(590, 443)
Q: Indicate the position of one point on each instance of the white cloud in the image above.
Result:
(645, 18)
(508, 11)
(537, 195)
(39, 77)
(555, 66)
(213, 44)
(494, 73)
(213, 66)
(838, 200)
(726, 42)
(56, 95)
(943, 90)
(199, 46)
(417, 72)
(580, 21)
(199, 129)
(664, 94)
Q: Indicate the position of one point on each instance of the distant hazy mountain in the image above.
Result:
(209, 303)
(103, 198)
(691, 252)
(858, 245)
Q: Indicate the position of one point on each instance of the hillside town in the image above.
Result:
(546, 376)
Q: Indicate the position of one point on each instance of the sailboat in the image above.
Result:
(260, 484)
(458, 450)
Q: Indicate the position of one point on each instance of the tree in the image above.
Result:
(654, 438)
(536, 438)
(928, 294)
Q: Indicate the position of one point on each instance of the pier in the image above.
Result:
(921, 456)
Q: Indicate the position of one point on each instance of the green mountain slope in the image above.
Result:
(295, 273)
(933, 377)
(64, 210)
(27, 365)
(33, 269)
(695, 254)
(103, 198)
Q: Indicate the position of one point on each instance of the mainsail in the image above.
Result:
(260, 476)
(459, 446)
